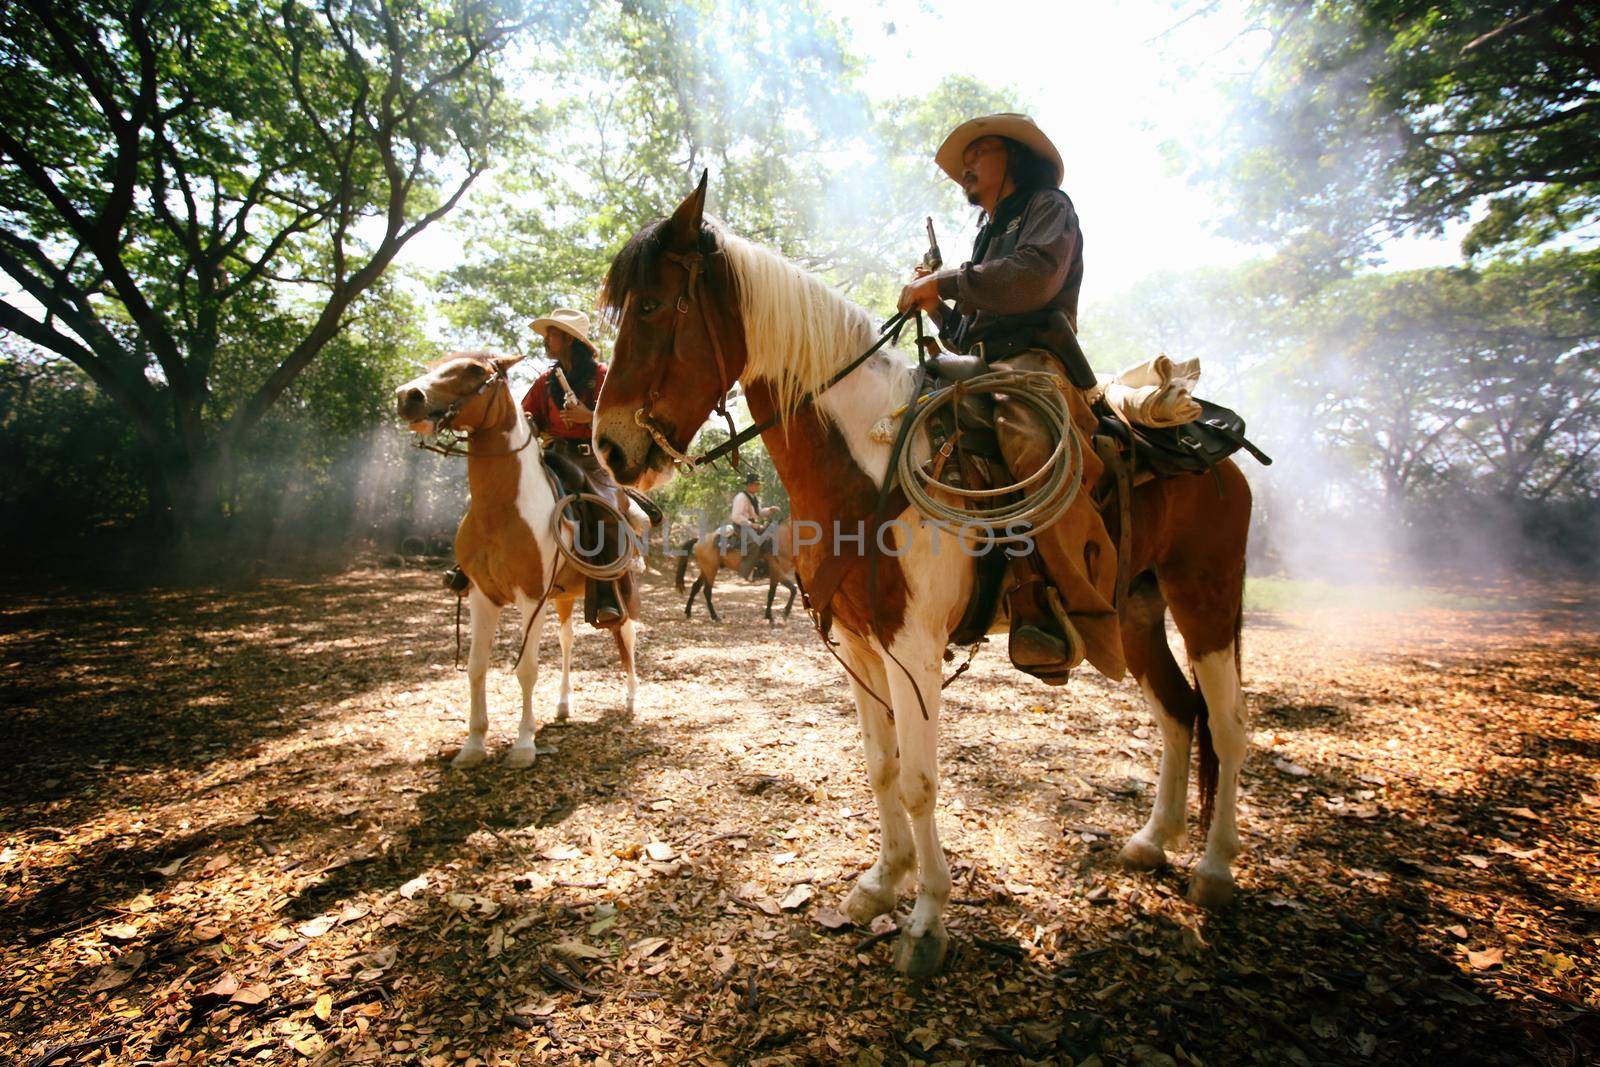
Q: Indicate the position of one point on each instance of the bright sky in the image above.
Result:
(1109, 89)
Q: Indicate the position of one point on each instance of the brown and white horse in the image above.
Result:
(709, 559)
(506, 540)
(698, 308)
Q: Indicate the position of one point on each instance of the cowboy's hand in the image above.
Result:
(922, 293)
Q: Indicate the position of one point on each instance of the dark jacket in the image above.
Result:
(1026, 263)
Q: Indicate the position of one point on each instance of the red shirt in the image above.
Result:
(545, 413)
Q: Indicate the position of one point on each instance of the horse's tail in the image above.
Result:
(1206, 771)
(683, 561)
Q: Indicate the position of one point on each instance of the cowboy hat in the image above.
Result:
(1019, 128)
(568, 321)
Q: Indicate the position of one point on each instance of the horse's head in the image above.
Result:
(456, 393)
(680, 343)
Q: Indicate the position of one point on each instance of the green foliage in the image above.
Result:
(762, 96)
(193, 196)
(1420, 383)
(1370, 119)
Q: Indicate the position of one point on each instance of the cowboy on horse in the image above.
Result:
(560, 404)
(1015, 306)
(746, 518)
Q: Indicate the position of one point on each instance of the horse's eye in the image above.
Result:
(649, 307)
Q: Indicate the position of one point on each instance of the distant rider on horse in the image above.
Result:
(747, 518)
(1011, 301)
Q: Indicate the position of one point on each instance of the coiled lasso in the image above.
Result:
(1046, 494)
(602, 572)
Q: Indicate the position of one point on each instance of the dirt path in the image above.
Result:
(226, 834)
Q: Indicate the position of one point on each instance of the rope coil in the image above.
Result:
(603, 572)
(1043, 497)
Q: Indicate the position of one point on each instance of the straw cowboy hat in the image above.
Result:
(568, 321)
(1006, 124)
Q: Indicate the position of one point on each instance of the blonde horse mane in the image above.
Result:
(798, 330)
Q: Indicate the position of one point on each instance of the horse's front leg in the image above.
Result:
(485, 615)
(523, 752)
(789, 605)
(564, 617)
(772, 593)
(914, 691)
(706, 589)
(625, 637)
(878, 889)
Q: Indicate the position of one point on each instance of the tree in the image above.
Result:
(1366, 120)
(176, 176)
(800, 160)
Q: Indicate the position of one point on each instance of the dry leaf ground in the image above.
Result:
(227, 835)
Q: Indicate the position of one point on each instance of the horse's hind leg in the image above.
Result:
(877, 890)
(1218, 672)
(694, 591)
(624, 635)
(485, 617)
(1207, 605)
(772, 593)
(523, 751)
(1172, 705)
(564, 617)
(789, 605)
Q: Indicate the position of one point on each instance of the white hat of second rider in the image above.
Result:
(1019, 128)
(567, 320)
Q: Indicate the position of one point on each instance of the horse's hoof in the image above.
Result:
(863, 905)
(920, 958)
(1139, 855)
(1211, 891)
(520, 757)
(469, 756)
(561, 712)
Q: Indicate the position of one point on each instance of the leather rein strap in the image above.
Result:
(444, 421)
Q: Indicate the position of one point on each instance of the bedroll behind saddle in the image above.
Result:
(1192, 448)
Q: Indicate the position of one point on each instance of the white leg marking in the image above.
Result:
(878, 887)
(564, 615)
(523, 752)
(626, 636)
(922, 945)
(1218, 673)
(1146, 849)
(485, 617)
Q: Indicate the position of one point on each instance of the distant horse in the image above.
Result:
(506, 542)
(698, 309)
(709, 558)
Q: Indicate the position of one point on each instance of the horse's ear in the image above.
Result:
(505, 363)
(682, 231)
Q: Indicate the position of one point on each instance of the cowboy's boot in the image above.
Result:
(456, 580)
(601, 605)
(607, 610)
(1075, 553)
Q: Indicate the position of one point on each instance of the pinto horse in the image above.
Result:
(506, 541)
(698, 309)
(710, 558)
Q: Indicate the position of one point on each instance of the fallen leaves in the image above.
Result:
(319, 890)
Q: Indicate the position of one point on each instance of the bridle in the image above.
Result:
(444, 423)
(693, 264)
